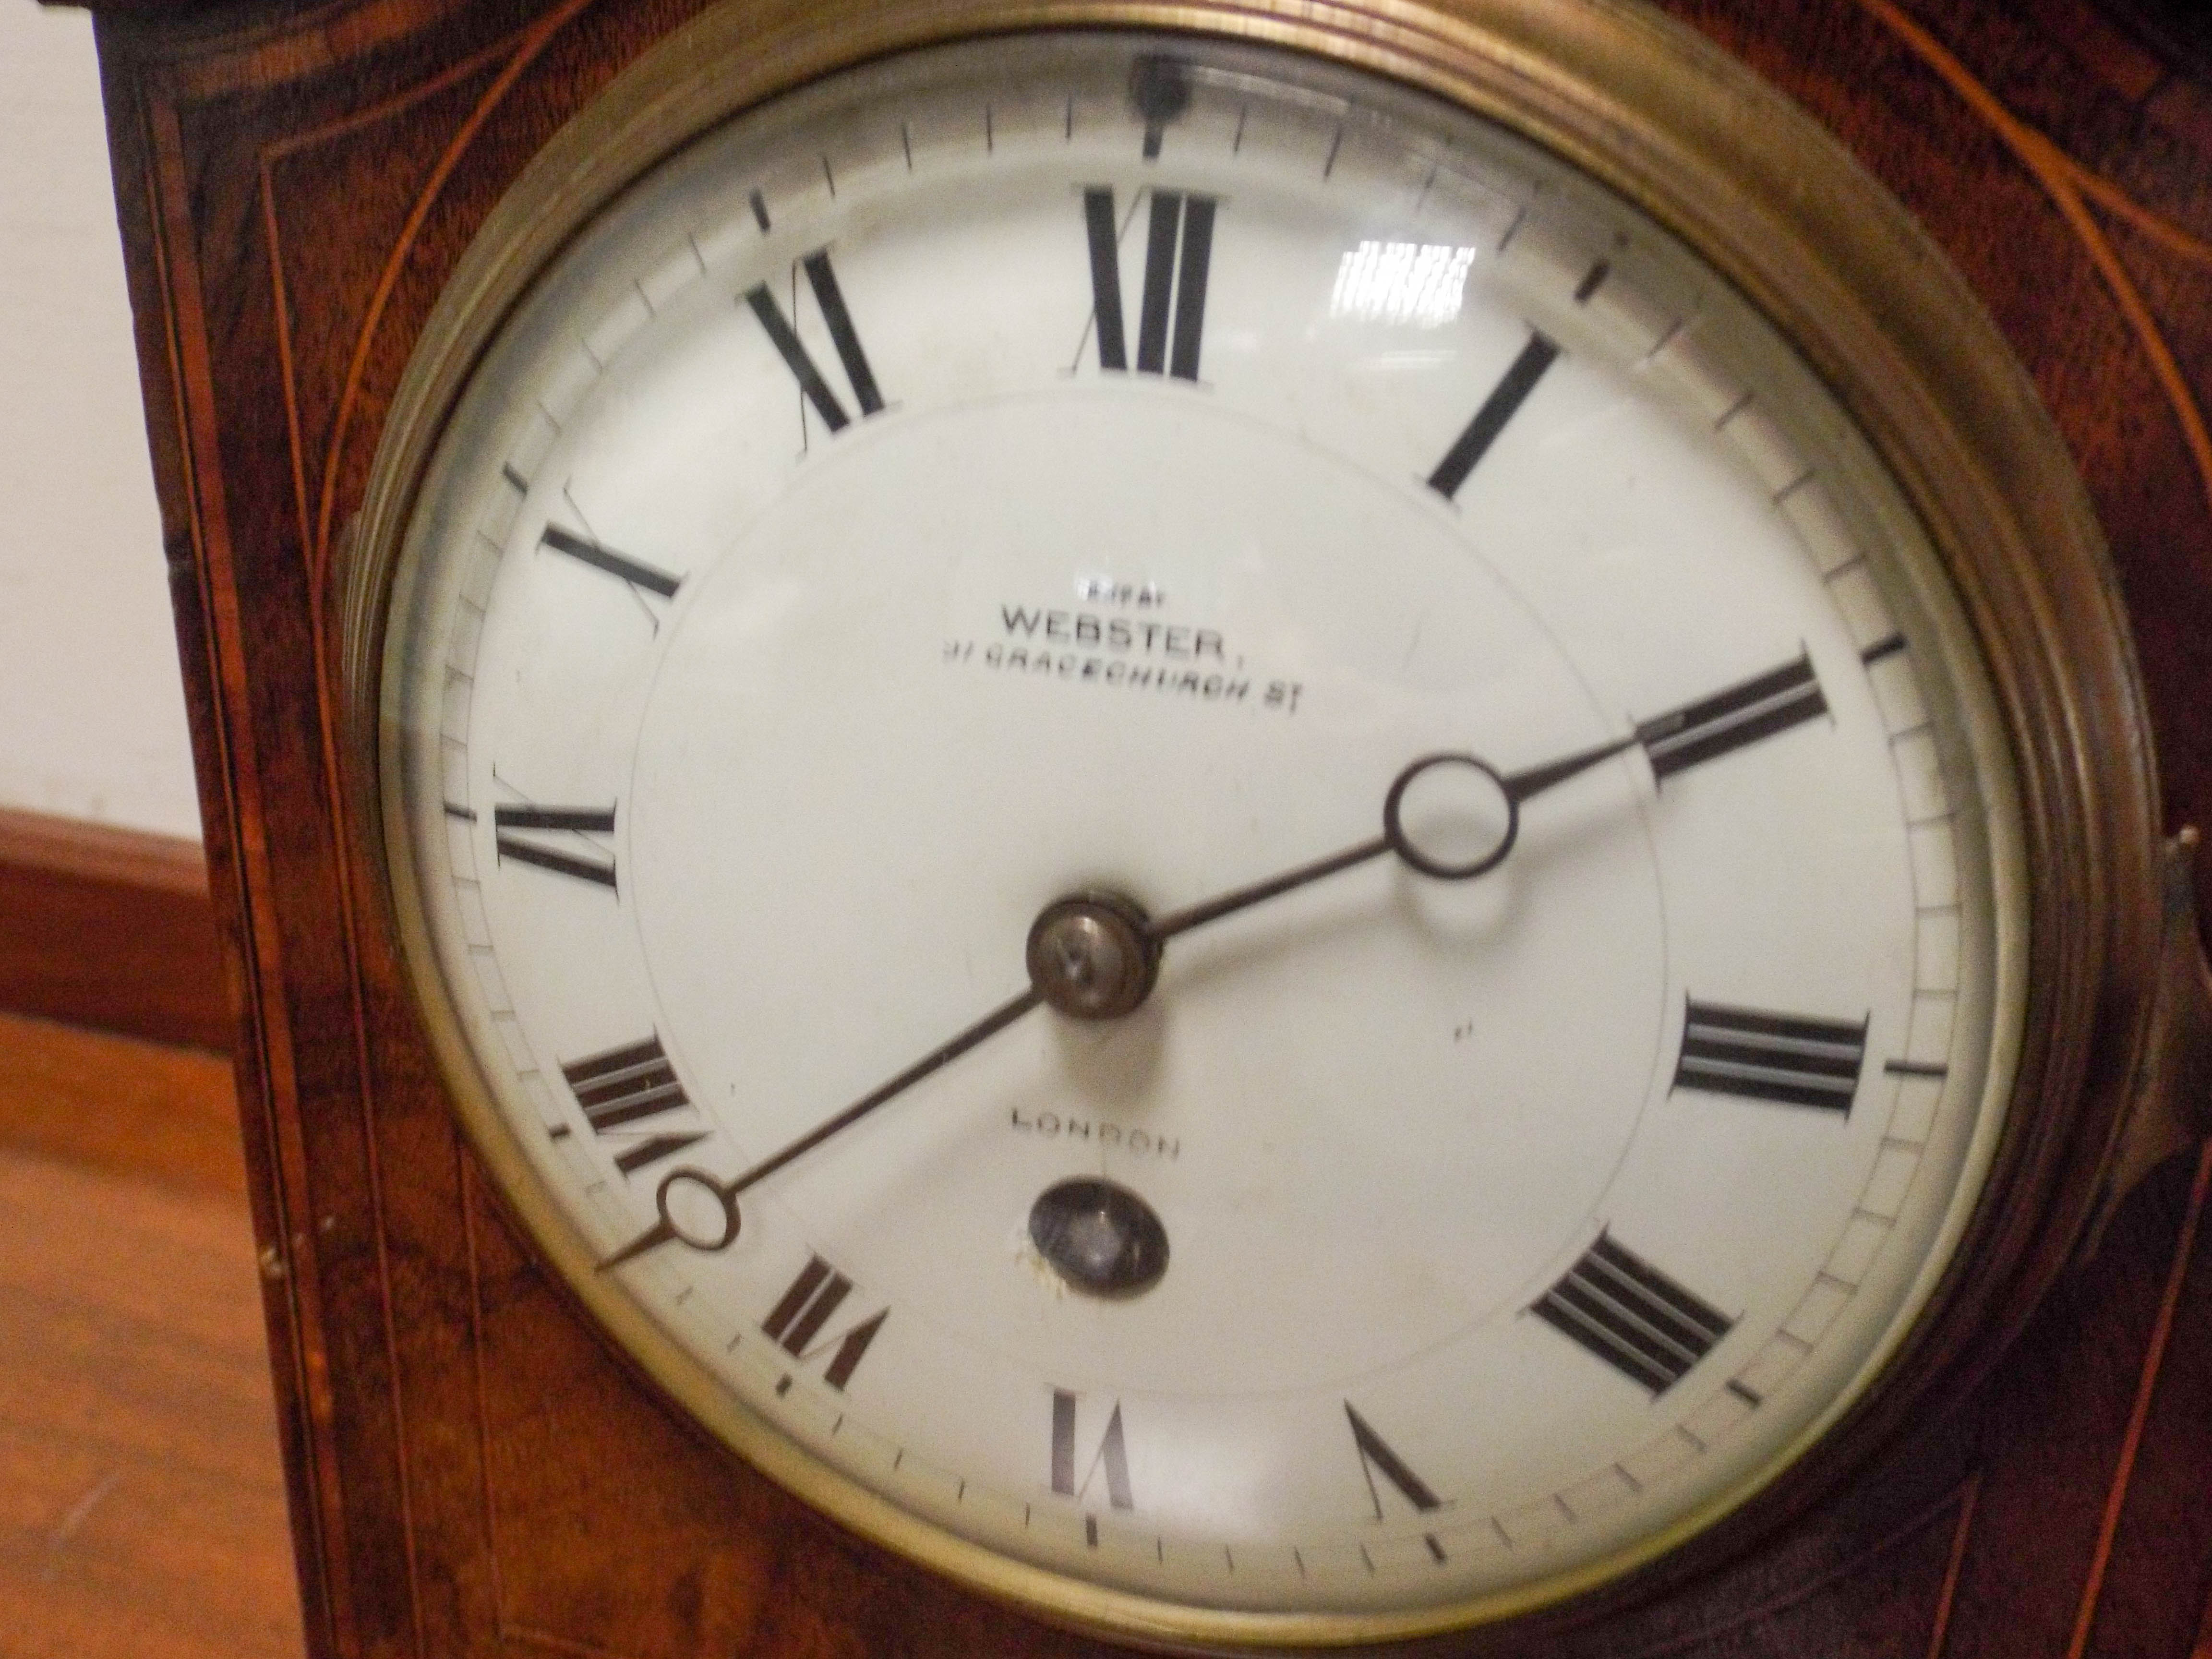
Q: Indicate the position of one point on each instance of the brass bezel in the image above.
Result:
(1756, 189)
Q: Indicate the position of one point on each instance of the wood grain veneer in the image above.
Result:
(472, 1472)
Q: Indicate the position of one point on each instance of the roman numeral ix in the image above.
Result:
(796, 1320)
(1727, 721)
(1620, 1308)
(1178, 254)
(620, 1086)
(1779, 1057)
(842, 335)
(582, 859)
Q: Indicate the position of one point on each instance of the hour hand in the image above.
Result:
(1533, 781)
(1491, 817)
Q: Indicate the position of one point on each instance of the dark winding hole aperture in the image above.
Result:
(1100, 1237)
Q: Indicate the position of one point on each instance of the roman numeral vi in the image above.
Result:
(1112, 1455)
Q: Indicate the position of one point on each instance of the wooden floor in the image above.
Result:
(141, 1500)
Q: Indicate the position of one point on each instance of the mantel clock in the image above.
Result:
(1234, 827)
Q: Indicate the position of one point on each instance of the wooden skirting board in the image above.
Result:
(111, 929)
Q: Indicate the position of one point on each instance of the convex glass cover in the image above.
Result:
(1199, 838)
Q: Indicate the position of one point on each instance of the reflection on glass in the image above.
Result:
(1416, 282)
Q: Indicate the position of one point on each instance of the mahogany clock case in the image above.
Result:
(472, 1472)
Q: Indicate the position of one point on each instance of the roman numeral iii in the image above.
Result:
(1178, 256)
(1727, 721)
(1784, 1058)
(1620, 1308)
(831, 299)
(798, 1318)
(620, 1086)
(576, 857)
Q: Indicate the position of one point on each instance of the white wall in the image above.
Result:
(92, 713)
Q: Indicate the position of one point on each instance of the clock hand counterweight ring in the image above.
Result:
(725, 1192)
(1096, 955)
(1511, 790)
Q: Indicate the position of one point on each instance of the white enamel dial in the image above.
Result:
(1102, 466)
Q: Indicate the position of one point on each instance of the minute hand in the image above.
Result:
(665, 1231)
(1513, 789)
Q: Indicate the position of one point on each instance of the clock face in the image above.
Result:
(1212, 847)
